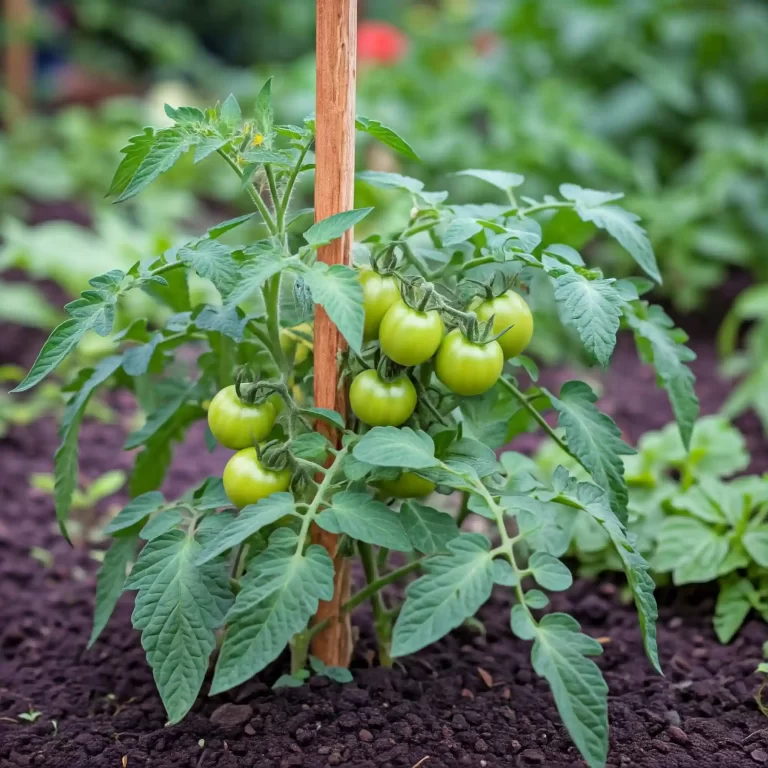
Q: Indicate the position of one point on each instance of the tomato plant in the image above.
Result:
(205, 558)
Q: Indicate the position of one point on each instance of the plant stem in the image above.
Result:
(273, 194)
(271, 293)
(478, 262)
(282, 206)
(463, 509)
(523, 400)
(382, 622)
(254, 195)
(381, 560)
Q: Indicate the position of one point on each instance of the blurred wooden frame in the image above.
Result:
(334, 192)
(17, 57)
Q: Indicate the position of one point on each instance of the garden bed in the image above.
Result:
(469, 700)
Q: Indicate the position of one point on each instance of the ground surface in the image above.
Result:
(468, 701)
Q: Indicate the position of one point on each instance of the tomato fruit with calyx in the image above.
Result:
(236, 424)
(408, 336)
(247, 480)
(467, 368)
(380, 292)
(408, 486)
(381, 403)
(509, 309)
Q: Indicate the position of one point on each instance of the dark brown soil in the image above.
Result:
(468, 701)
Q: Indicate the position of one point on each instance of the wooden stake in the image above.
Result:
(18, 56)
(334, 192)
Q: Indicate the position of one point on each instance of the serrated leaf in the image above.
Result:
(549, 572)
(595, 440)
(311, 446)
(251, 519)
(133, 153)
(279, 595)
(213, 261)
(252, 275)
(168, 146)
(428, 529)
(363, 518)
(264, 117)
(178, 607)
(210, 494)
(460, 230)
(161, 523)
(157, 420)
(690, 549)
(337, 289)
(588, 197)
(208, 145)
(63, 339)
(230, 224)
(110, 581)
(385, 180)
(326, 415)
(225, 320)
(454, 588)
(396, 447)
(386, 136)
(559, 655)
(230, 110)
(136, 511)
(669, 358)
(333, 227)
(502, 180)
(732, 608)
(593, 308)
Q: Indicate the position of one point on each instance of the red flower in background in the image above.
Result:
(485, 42)
(380, 42)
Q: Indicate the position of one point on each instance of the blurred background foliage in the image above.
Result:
(666, 100)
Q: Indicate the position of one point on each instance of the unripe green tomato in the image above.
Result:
(247, 480)
(408, 486)
(235, 424)
(467, 368)
(380, 403)
(508, 309)
(410, 337)
(380, 292)
(295, 337)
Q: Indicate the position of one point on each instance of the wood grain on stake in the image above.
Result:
(334, 192)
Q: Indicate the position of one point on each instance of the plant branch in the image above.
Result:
(253, 194)
(382, 622)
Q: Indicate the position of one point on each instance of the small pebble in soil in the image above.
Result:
(678, 735)
(231, 715)
(249, 730)
(365, 736)
(533, 756)
(759, 756)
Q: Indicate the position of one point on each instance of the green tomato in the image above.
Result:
(410, 337)
(407, 486)
(508, 309)
(380, 292)
(247, 480)
(380, 403)
(235, 424)
(467, 368)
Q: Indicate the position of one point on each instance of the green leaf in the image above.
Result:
(428, 529)
(690, 549)
(210, 494)
(593, 308)
(385, 180)
(136, 511)
(168, 146)
(230, 110)
(264, 116)
(161, 523)
(473, 454)
(386, 136)
(454, 588)
(396, 447)
(337, 289)
(230, 224)
(365, 519)
(549, 572)
(208, 145)
(110, 581)
(756, 543)
(251, 519)
(669, 356)
(559, 655)
(150, 466)
(252, 275)
(134, 153)
(460, 230)
(619, 223)
(289, 681)
(732, 608)
(212, 260)
(63, 339)
(536, 599)
(279, 595)
(158, 419)
(502, 180)
(323, 232)
(311, 446)
(225, 320)
(504, 573)
(522, 623)
(326, 415)
(595, 440)
(595, 503)
(178, 607)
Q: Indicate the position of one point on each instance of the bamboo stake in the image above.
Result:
(334, 192)
(17, 57)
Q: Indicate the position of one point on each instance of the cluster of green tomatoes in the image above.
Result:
(468, 360)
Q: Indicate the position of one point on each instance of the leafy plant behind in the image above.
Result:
(204, 566)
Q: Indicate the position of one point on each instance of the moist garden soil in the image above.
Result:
(470, 700)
